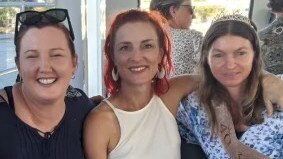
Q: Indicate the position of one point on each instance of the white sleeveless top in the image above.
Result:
(149, 133)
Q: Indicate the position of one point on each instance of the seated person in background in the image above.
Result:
(186, 42)
(227, 115)
(272, 39)
(41, 116)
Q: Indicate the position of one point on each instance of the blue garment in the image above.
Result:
(20, 141)
(266, 138)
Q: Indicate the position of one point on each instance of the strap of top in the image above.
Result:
(10, 95)
(108, 102)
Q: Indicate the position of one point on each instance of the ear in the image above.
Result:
(172, 11)
(17, 64)
(75, 62)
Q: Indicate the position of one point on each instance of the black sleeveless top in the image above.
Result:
(20, 141)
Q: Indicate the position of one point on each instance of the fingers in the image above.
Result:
(269, 107)
(97, 99)
(280, 104)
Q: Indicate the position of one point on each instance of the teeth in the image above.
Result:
(46, 80)
(137, 68)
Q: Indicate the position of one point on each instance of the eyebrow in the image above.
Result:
(36, 51)
(143, 41)
(219, 50)
(216, 50)
(30, 50)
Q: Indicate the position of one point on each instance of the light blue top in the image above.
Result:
(266, 138)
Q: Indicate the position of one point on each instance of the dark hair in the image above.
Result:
(163, 6)
(252, 103)
(24, 28)
(275, 5)
(160, 85)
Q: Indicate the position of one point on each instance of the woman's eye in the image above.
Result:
(31, 56)
(56, 55)
(217, 55)
(148, 46)
(123, 48)
(242, 53)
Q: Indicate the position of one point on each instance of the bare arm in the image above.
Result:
(272, 91)
(179, 87)
(97, 133)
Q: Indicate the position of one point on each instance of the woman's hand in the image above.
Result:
(97, 99)
(272, 92)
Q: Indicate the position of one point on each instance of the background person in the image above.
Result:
(42, 116)
(186, 42)
(227, 114)
(272, 38)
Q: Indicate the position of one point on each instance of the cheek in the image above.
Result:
(215, 67)
(25, 66)
(249, 63)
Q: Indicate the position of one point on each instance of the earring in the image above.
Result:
(161, 72)
(115, 74)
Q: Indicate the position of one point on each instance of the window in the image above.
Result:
(206, 10)
(8, 10)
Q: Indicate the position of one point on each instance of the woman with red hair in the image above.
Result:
(138, 119)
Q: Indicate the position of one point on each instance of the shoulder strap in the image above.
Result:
(108, 103)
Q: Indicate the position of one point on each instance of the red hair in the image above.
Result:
(134, 15)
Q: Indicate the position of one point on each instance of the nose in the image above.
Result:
(230, 62)
(45, 64)
(136, 54)
(193, 15)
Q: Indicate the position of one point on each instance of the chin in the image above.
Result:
(231, 84)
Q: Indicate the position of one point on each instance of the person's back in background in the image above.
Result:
(186, 42)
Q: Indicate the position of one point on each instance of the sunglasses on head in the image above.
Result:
(50, 16)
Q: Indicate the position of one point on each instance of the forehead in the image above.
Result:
(135, 32)
(230, 42)
(49, 35)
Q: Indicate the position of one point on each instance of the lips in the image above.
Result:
(137, 69)
(46, 80)
(231, 73)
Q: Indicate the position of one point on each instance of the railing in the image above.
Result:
(8, 71)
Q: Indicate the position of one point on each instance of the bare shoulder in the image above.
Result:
(100, 114)
(101, 132)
